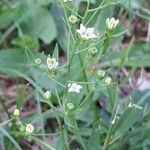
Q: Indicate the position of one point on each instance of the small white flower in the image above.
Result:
(52, 63)
(108, 81)
(29, 128)
(47, 95)
(111, 23)
(67, 1)
(74, 87)
(86, 33)
(16, 112)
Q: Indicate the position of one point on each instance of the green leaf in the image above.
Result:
(47, 146)
(44, 2)
(26, 41)
(15, 61)
(58, 14)
(94, 140)
(13, 58)
(6, 16)
(40, 24)
(126, 121)
(10, 138)
(56, 52)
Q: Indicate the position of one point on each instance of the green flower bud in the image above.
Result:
(16, 112)
(70, 106)
(38, 61)
(22, 128)
(93, 51)
(101, 73)
(73, 19)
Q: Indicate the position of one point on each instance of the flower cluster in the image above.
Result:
(27, 129)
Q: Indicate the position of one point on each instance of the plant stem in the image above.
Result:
(84, 72)
(94, 13)
(106, 143)
(78, 135)
(107, 139)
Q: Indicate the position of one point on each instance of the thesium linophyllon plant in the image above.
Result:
(81, 94)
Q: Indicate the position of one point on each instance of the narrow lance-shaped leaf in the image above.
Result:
(126, 121)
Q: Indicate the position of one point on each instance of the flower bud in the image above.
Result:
(108, 81)
(70, 106)
(16, 112)
(47, 95)
(38, 61)
(22, 128)
(93, 51)
(101, 74)
(73, 19)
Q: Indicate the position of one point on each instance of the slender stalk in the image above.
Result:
(106, 143)
(94, 13)
(84, 72)
(79, 136)
(107, 139)
(87, 8)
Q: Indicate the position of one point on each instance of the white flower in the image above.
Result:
(29, 128)
(108, 81)
(47, 95)
(52, 63)
(111, 23)
(74, 87)
(16, 112)
(67, 1)
(86, 33)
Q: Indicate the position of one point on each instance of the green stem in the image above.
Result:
(87, 9)
(106, 44)
(77, 133)
(84, 72)
(106, 143)
(94, 13)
